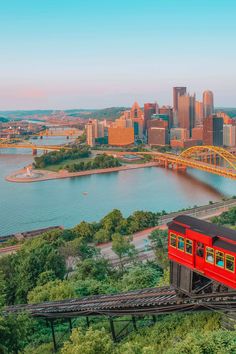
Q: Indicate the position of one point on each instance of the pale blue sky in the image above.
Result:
(91, 54)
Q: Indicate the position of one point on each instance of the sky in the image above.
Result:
(62, 54)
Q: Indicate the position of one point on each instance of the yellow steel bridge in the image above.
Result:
(33, 147)
(210, 159)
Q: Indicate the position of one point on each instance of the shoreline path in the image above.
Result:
(21, 175)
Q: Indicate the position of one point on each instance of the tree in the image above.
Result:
(112, 221)
(9, 278)
(52, 291)
(98, 268)
(78, 248)
(226, 218)
(217, 342)
(165, 279)
(15, 332)
(141, 276)
(41, 349)
(101, 236)
(90, 342)
(3, 288)
(159, 244)
(141, 220)
(122, 247)
(35, 257)
(45, 277)
(84, 231)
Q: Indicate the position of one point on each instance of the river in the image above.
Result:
(62, 202)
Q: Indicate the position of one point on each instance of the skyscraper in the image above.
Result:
(167, 110)
(213, 131)
(157, 136)
(136, 114)
(149, 110)
(229, 135)
(208, 103)
(186, 112)
(198, 112)
(178, 91)
(90, 133)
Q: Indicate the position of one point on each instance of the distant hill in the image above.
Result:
(4, 120)
(230, 111)
(106, 113)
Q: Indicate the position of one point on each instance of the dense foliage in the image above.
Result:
(56, 157)
(158, 240)
(226, 218)
(100, 161)
(50, 257)
(174, 334)
(62, 264)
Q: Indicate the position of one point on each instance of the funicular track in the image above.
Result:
(135, 303)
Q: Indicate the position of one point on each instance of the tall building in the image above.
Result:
(90, 133)
(198, 112)
(123, 122)
(168, 111)
(229, 135)
(120, 136)
(157, 136)
(208, 103)
(178, 91)
(179, 134)
(186, 112)
(157, 122)
(94, 129)
(136, 114)
(197, 133)
(149, 110)
(213, 131)
(101, 129)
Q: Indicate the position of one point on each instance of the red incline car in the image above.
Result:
(202, 255)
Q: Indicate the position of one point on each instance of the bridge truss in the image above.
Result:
(213, 155)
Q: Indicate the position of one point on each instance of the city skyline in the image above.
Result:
(63, 55)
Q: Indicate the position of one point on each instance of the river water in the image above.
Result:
(62, 202)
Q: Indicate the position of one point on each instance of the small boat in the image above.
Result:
(85, 193)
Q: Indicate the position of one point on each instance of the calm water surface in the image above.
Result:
(62, 202)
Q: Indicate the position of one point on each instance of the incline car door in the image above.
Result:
(199, 256)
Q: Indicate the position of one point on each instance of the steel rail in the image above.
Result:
(146, 301)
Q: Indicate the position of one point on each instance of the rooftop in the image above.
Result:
(205, 227)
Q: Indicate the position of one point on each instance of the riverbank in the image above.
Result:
(22, 176)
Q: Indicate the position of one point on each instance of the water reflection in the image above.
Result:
(62, 202)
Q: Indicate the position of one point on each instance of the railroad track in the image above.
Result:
(146, 301)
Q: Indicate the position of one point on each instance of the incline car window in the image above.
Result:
(189, 246)
(219, 259)
(229, 263)
(180, 243)
(173, 240)
(210, 255)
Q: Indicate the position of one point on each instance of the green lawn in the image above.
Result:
(60, 166)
